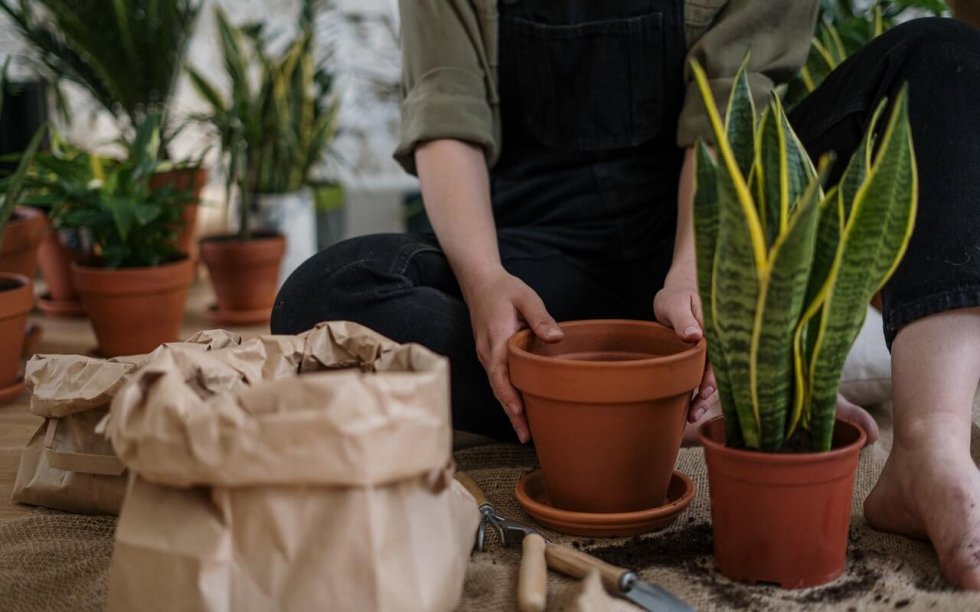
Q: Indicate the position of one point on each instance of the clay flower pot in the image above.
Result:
(55, 259)
(134, 310)
(21, 238)
(16, 300)
(191, 180)
(606, 407)
(781, 518)
(245, 275)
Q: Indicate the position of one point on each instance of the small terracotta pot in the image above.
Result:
(16, 300)
(193, 181)
(606, 407)
(21, 238)
(781, 518)
(55, 260)
(245, 273)
(134, 310)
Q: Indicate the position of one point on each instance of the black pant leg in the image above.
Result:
(939, 59)
(401, 286)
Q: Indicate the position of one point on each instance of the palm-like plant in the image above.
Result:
(128, 54)
(275, 127)
(844, 27)
(786, 271)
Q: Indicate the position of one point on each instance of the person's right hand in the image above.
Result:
(500, 306)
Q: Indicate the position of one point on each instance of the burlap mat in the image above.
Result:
(55, 561)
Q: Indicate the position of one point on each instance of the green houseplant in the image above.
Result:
(785, 273)
(274, 126)
(16, 290)
(128, 56)
(844, 26)
(134, 284)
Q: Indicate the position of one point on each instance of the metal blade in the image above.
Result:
(651, 597)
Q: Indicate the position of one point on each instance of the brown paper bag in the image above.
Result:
(306, 472)
(67, 465)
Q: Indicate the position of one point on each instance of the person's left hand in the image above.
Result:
(678, 306)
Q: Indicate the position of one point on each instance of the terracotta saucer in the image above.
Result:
(59, 308)
(238, 317)
(533, 497)
(11, 392)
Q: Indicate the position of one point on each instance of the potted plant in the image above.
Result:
(23, 227)
(785, 274)
(273, 129)
(128, 56)
(134, 285)
(16, 290)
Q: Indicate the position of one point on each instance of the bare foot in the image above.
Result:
(858, 416)
(925, 496)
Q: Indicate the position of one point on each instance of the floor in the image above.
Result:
(73, 336)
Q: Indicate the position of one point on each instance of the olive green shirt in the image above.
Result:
(449, 71)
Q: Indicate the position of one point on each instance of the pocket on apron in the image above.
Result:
(592, 86)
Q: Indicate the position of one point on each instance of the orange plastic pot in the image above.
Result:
(781, 518)
(244, 273)
(606, 407)
(22, 236)
(16, 300)
(191, 180)
(134, 310)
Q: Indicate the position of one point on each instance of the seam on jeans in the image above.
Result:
(406, 254)
(939, 301)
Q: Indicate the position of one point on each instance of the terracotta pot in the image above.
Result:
(781, 518)
(16, 300)
(607, 407)
(21, 238)
(245, 274)
(55, 260)
(134, 310)
(191, 180)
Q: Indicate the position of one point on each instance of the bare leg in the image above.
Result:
(930, 487)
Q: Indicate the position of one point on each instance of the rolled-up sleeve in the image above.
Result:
(776, 32)
(447, 91)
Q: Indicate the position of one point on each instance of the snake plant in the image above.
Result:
(785, 269)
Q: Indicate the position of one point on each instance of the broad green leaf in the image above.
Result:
(740, 120)
(705, 215)
(742, 263)
(875, 238)
(780, 302)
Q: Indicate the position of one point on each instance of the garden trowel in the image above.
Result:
(617, 580)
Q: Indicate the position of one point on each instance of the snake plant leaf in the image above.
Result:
(740, 120)
(780, 302)
(875, 237)
(706, 240)
(857, 169)
(741, 265)
(784, 169)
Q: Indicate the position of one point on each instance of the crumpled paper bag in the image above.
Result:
(307, 472)
(67, 465)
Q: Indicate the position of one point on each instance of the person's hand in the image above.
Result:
(500, 306)
(678, 306)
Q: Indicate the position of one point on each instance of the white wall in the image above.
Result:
(363, 34)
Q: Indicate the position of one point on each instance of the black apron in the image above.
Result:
(590, 93)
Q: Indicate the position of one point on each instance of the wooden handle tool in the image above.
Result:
(532, 581)
(577, 564)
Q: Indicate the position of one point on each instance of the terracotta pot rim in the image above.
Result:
(16, 301)
(515, 341)
(232, 238)
(782, 458)
(103, 271)
(19, 278)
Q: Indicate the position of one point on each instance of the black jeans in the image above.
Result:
(403, 287)
(939, 59)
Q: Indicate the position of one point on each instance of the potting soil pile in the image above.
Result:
(55, 561)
